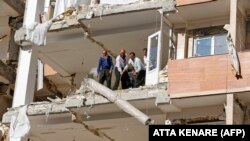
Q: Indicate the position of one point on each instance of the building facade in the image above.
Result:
(199, 49)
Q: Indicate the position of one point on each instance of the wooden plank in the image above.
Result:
(207, 74)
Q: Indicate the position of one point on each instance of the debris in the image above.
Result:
(20, 125)
(63, 5)
(48, 111)
(122, 104)
(168, 122)
(233, 54)
(163, 75)
(4, 131)
(56, 100)
(36, 33)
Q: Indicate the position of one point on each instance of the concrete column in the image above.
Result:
(233, 19)
(234, 112)
(33, 9)
(190, 47)
(40, 75)
(27, 65)
(229, 109)
(26, 76)
(46, 6)
(181, 46)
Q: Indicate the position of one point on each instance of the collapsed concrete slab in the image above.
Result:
(100, 10)
(85, 98)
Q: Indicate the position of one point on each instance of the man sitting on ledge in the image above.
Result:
(136, 70)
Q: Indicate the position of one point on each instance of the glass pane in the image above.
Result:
(153, 53)
(203, 46)
(220, 44)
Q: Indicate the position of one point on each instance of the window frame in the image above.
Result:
(212, 44)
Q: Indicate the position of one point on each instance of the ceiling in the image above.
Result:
(246, 5)
(206, 12)
(120, 129)
(203, 101)
(68, 51)
(6, 10)
(107, 117)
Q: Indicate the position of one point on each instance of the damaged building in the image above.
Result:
(49, 51)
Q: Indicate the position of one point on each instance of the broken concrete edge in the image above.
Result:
(98, 11)
(78, 101)
(4, 130)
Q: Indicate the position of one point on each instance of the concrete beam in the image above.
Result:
(194, 24)
(101, 10)
(79, 100)
(229, 109)
(108, 10)
(233, 19)
(99, 33)
(27, 64)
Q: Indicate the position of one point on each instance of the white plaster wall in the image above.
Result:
(190, 47)
(181, 45)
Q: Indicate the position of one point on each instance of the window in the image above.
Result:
(210, 45)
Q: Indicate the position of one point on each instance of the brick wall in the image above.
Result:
(207, 74)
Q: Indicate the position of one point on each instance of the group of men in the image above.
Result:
(129, 70)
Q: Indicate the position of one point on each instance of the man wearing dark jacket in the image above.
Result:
(104, 69)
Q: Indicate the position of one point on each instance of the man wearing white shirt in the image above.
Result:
(120, 72)
(137, 70)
